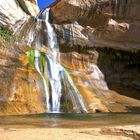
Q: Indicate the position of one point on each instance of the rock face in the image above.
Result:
(101, 24)
(94, 73)
(83, 27)
(18, 80)
(15, 13)
(121, 70)
(107, 23)
(20, 86)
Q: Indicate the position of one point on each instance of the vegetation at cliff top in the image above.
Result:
(5, 34)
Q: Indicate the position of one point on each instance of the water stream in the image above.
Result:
(59, 81)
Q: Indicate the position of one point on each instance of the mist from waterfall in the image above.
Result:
(56, 79)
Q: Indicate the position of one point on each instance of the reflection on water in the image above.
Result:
(65, 120)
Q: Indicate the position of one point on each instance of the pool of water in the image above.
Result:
(65, 120)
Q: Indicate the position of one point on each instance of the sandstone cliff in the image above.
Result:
(20, 89)
(106, 23)
(15, 13)
(84, 29)
(101, 23)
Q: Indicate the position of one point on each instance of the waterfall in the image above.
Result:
(76, 98)
(54, 72)
(54, 68)
(37, 62)
(58, 78)
(52, 40)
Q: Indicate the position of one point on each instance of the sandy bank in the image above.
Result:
(128, 132)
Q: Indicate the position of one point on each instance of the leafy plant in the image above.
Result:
(5, 34)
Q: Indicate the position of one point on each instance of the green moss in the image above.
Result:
(5, 34)
(43, 61)
(31, 57)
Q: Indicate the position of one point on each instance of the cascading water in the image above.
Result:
(52, 40)
(37, 61)
(37, 66)
(58, 78)
(54, 69)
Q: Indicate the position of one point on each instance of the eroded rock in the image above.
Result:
(107, 23)
(21, 91)
(15, 13)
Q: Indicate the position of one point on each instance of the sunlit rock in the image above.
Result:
(15, 13)
(107, 23)
(21, 91)
(82, 28)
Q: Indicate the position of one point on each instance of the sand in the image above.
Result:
(127, 132)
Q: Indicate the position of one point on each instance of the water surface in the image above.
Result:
(70, 120)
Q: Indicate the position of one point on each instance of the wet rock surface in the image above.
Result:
(83, 27)
(15, 13)
(21, 91)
